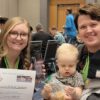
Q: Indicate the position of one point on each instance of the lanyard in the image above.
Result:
(7, 63)
(85, 69)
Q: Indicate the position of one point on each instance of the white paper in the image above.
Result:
(16, 84)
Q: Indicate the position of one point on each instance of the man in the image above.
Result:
(43, 36)
(70, 27)
(57, 35)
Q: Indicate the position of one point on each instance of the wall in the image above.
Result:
(44, 13)
(92, 1)
(8, 8)
(30, 9)
(36, 11)
(98, 1)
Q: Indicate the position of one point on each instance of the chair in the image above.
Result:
(35, 48)
(49, 56)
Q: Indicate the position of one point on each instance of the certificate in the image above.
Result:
(16, 84)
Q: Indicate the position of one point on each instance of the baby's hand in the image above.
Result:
(68, 97)
(47, 88)
(46, 92)
(60, 95)
(70, 90)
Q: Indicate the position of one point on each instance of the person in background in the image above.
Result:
(66, 78)
(71, 31)
(41, 35)
(88, 25)
(57, 35)
(31, 29)
(2, 22)
(14, 48)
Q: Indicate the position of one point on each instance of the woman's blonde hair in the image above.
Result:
(67, 50)
(9, 25)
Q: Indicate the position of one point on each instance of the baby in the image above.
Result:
(66, 83)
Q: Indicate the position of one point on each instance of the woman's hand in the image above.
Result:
(43, 70)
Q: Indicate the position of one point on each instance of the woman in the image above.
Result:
(88, 25)
(14, 48)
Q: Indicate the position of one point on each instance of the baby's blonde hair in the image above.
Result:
(68, 50)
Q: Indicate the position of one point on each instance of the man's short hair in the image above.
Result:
(69, 10)
(39, 27)
(53, 28)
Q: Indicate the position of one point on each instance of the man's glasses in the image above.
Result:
(15, 34)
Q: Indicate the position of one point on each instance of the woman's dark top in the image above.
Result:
(3, 65)
(94, 62)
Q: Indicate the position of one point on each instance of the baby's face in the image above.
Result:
(67, 66)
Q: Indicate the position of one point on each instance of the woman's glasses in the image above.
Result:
(14, 35)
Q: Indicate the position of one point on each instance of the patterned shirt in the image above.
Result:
(75, 80)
